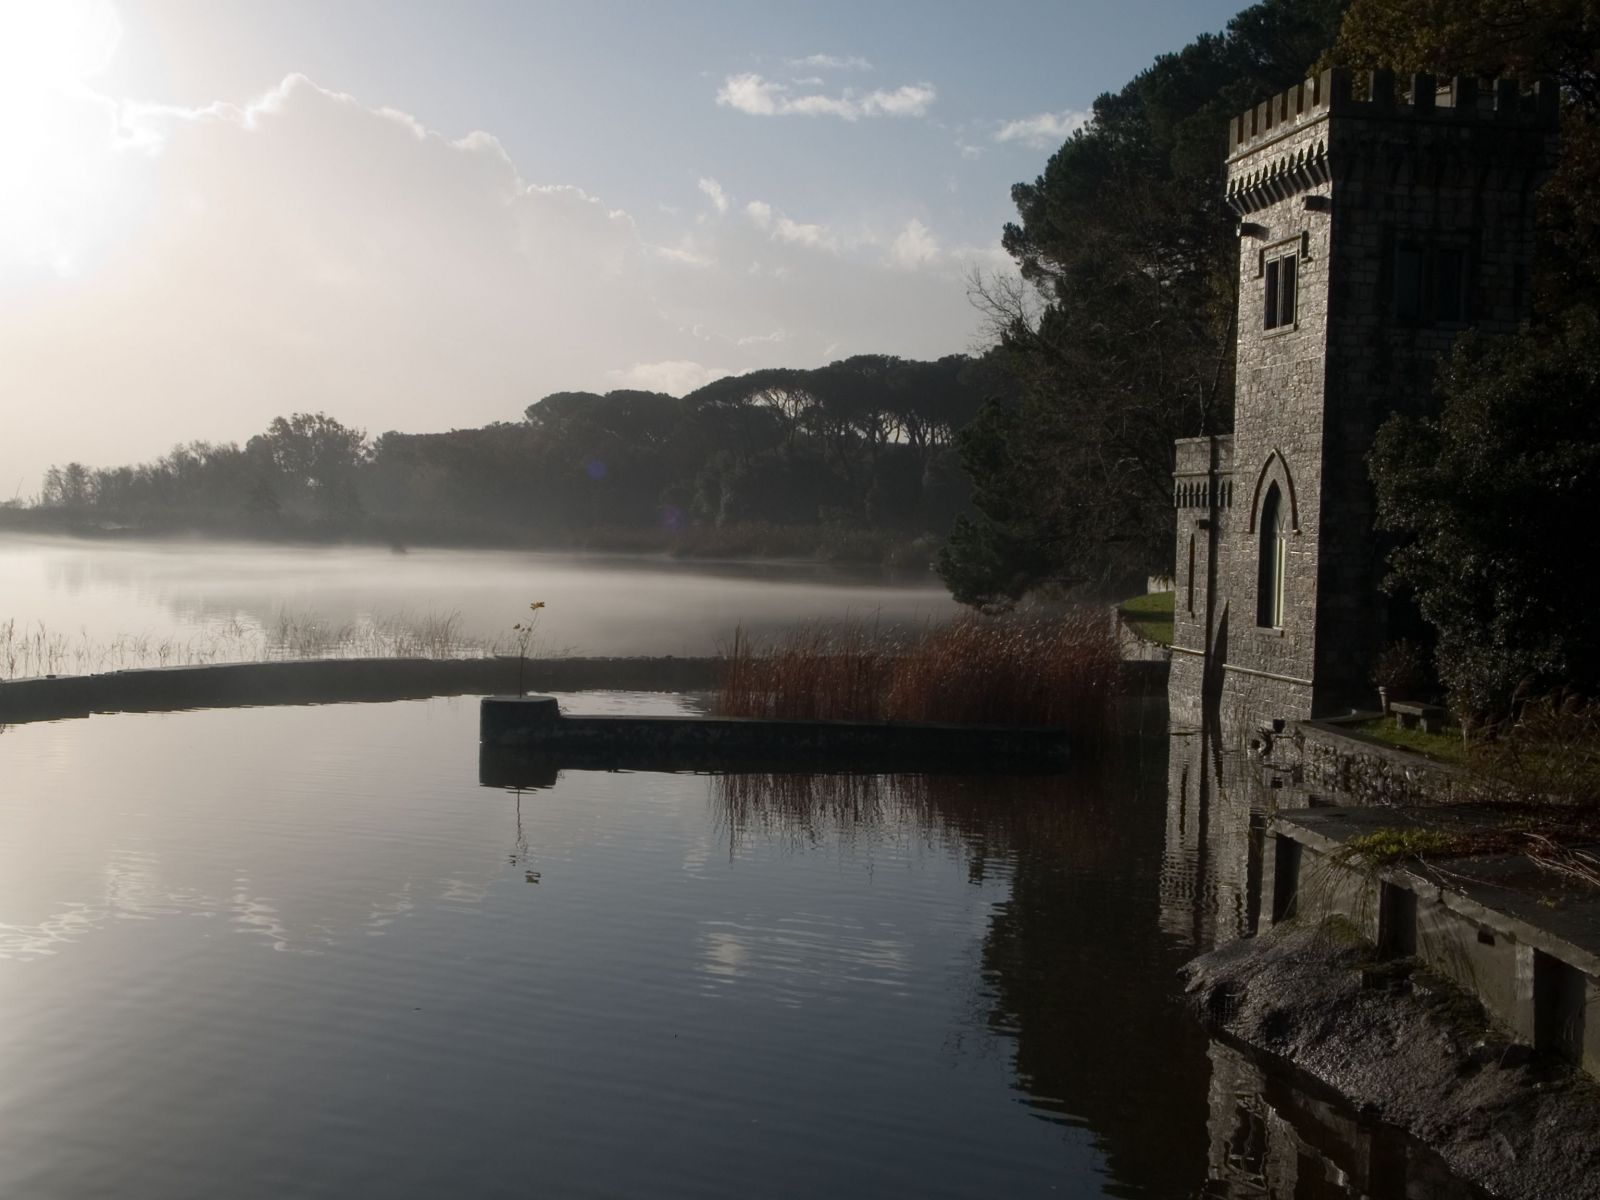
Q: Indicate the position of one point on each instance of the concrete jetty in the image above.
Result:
(523, 738)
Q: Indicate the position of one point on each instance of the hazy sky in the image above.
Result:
(427, 215)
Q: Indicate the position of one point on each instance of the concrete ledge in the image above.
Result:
(523, 738)
(230, 685)
(1525, 942)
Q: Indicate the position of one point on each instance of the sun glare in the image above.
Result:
(57, 135)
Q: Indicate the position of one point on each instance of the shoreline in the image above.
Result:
(336, 680)
(374, 680)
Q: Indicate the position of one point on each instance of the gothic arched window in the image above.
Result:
(1273, 531)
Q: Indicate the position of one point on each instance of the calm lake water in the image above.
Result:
(301, 952)
(104, 604)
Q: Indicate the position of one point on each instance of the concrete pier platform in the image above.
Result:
(522, 739)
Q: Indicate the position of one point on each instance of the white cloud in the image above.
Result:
(675, 376)
(751, 94)
(307, 251)
(687, 252)
(832, 62)
(761, 97)
(789, 231)
(817, 237)
(818, 105)
(1043, 129)
(718, 197)
(912, 100)
(915, 246)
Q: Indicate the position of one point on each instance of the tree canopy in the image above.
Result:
(1119, 337)
(1533, 39)
(860, 444)
(1482, 498)
(1487, 498)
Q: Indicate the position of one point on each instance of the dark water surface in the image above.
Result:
(300, 952)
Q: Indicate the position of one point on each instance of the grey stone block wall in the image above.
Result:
(1203, 497)
(1343, 183)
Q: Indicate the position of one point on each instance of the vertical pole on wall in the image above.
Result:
(1213, 538)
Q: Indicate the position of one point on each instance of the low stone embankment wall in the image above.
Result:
(227, 685)
(1330, 763)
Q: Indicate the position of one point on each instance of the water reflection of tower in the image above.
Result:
(1211, 862)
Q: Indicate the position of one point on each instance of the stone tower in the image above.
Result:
(1373, 228)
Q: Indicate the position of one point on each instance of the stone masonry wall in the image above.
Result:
(1278, 433)
(1339, 768)
(1343, 183)
(1202, 495)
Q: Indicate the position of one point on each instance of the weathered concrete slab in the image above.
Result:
(534, 727)
(1524, 940)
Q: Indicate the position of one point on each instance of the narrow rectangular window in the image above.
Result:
(1407, 284)
(1281, 278)
(1450, 286)
(1189, 576)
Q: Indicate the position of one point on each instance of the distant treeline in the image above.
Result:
(847, 460)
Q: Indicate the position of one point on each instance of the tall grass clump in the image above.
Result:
(1551, 749)
(1058, 671)
(823, 672)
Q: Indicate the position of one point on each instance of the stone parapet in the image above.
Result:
(1457, 99)
(1203, 473)
(1281, 147)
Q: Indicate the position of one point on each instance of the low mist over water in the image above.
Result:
(110, 604)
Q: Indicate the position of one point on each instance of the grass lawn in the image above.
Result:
(1150, 616)
(1445, 746)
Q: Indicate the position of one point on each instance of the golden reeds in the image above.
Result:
(1056, 671)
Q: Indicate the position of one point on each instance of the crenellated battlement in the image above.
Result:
(1339, 90)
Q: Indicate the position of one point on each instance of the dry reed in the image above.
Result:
(1054, 671)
